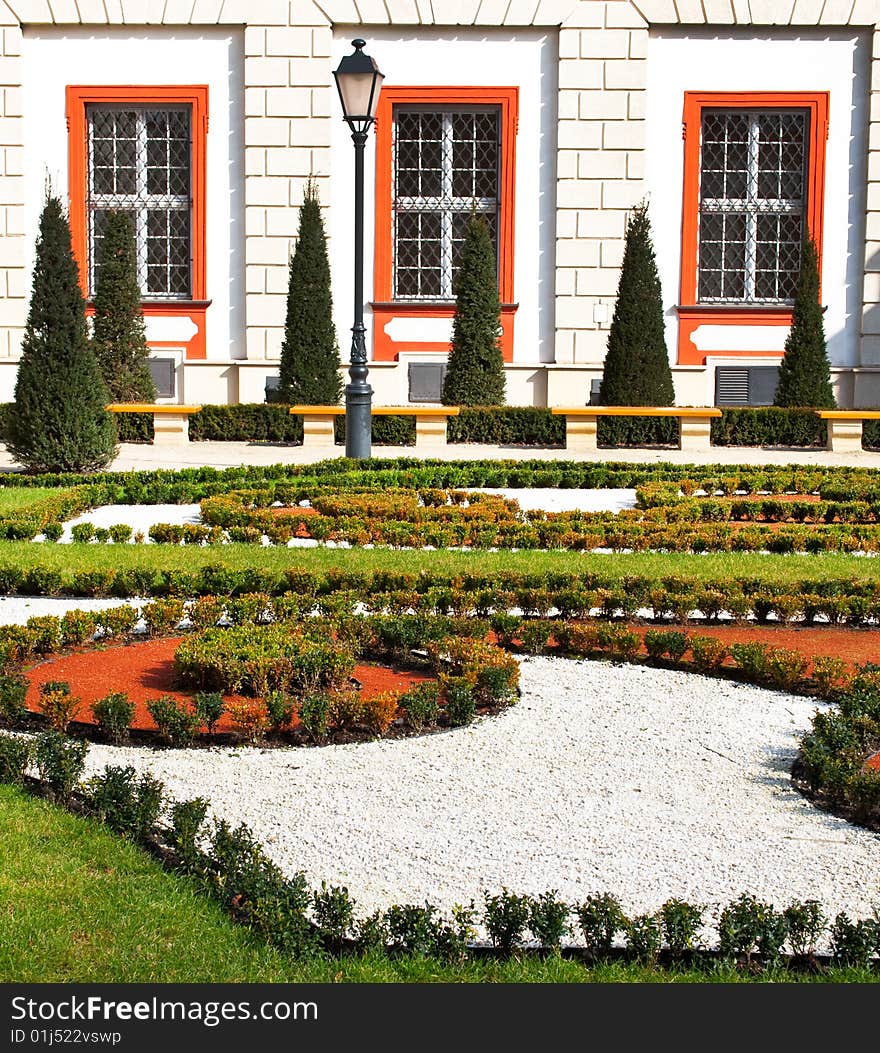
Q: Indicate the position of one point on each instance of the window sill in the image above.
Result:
(167, 305)
(417, 306)
(735, 308)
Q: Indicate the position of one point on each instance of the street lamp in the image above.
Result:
(359, 81)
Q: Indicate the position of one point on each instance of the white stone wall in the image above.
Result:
(289, 103)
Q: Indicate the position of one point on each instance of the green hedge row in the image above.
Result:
(503, 426)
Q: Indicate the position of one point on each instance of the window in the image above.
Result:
(753, 167)
(754, 185)
(139, 161)
(441, 152)
(445, 166)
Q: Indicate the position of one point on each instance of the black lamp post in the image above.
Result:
(359, 82)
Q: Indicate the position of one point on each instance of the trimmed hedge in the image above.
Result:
(498, 425)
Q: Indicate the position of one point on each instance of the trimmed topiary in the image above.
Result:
(637, 371)
(119, 340)
(58, 422)
(804, 373)
(475, 373)
(309, 352)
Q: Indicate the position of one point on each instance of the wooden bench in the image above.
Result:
(845, 428)
(430, 422)
(170, 421)
(581, 423)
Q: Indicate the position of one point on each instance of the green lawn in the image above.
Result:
(78, 904)
(69, 558)
(15, 499)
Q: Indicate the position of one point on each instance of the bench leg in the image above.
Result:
(694, 433)
(318, 431)
(844, 436)
(430, 431)
(170, 429)
(580, 434)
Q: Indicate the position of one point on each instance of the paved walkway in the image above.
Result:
(133, 456)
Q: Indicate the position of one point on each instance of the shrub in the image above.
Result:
(643, 937)
(250, 718)
(475, 371)
(334, 915)
(120, 533)
(13, 692)
(752, 658)
(460, 705)
(379, 711)
(828, 673)
(853, 942)
(786, 668)
(412, 929)
(128, 804)
(57, 704)
(60, 762)
(548, 919)
(421, 705)
(804, 373)
(680, 922)
(346, 709)
(82, 533)
(506, 916)
(210, 707)
(187, 819)
(58, 422)
(177, 722)
(114, 714)
(747, 925)
(163, 616)
(309, 353)
(636, 370)
(601, 918)
(118, 621)
(77, 626)
(15, 756)
(708, 652)
(314, 714)
(45, 633)
(52, 531)
(805, 922)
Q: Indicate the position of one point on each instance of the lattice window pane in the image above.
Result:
(140, 162)
(446, 165)
(753, 168)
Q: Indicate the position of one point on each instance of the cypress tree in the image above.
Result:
(309, 352)
(119, 340)
(804, 373)
(57, 422)
(475, 372)
(637, 371)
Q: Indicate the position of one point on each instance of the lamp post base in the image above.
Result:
(358, 423)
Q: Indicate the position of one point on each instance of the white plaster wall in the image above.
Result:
(836, 61)
(526, 59)
(52, 58)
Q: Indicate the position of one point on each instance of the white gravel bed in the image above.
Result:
(642, 782)
(138, 517)
(15, 610)
(552, 499)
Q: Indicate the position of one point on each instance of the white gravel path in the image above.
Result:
(559, 500)
(138, 517)
(15, 610)
(645, 783)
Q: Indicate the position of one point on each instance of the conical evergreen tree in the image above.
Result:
(475, 372)
(637, 371)
(118, 340)
(804, 373)
(58, 421)
(309, 352)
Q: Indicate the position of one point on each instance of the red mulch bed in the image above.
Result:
(146, 670)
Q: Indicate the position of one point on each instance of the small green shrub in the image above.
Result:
(548, 919)
(187, 819)
(412, 929)
(114, 714)
(643, 938)
(314, 714)
(805, 922)
(120, 533)
(421, 704)
(460, 705)
(52, 531)
(333, 910)
(178, 723)
(601, 918)
(15, 756)
(13, 692)
(127, 803)
(708, 652)
(506, 916)
(680, 923)
(82, 533)
(60, 762)
(57, 704)
(853, 942)
(77, 626)
(210, 707)
(281, 708)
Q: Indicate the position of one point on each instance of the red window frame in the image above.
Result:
(691, 313)
(384, 307)
(195, 96)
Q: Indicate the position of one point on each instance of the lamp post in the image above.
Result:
(359, 81)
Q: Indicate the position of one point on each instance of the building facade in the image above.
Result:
(745, 124)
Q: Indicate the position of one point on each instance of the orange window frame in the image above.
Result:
(78, 97)
(384, 307)
(690, 311)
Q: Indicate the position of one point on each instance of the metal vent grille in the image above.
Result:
(732, 387)
(445, 167)
(745, 385)
(139, 162)
(752, 197)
